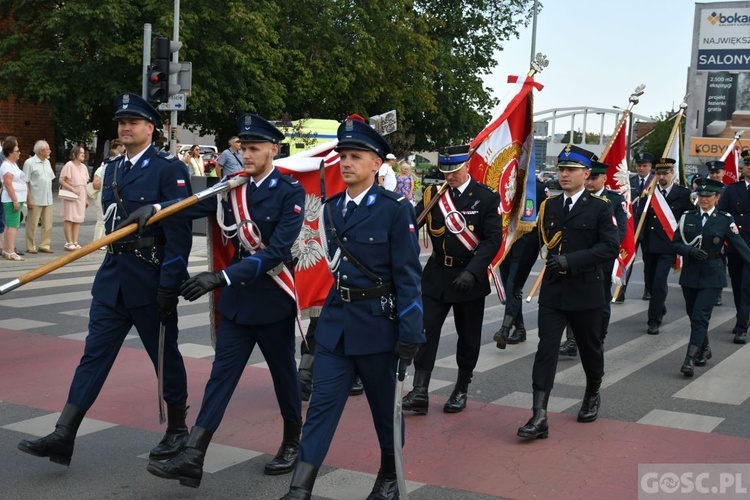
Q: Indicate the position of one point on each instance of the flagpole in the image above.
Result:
(537, 66)
(731, 145)
(675, 128)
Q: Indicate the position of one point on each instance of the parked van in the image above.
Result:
(304, 134)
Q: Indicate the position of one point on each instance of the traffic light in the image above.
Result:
(159, 88)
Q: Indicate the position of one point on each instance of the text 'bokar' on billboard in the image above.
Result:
(724, 40)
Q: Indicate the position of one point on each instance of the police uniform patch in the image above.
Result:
(371, 199)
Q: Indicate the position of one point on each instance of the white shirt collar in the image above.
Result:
(574, 197)
(710, 212)
(463, 186)
(258, 183)
(358, 199)
(134, 160)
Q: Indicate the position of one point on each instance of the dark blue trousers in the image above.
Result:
(699, 304)
(657, 267)
(332, 380)
(234, 345)
(108, 327)
(739, 274)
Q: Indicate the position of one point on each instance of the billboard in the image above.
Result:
(719, 80)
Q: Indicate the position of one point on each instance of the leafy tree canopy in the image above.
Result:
(317, 58)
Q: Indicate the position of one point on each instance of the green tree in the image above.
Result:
(318, 58)
(656, 142)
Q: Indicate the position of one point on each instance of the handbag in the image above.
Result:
(67, 195)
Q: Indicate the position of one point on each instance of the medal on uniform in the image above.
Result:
(716, 240)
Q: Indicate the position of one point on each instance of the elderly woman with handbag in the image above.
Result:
(73, 179)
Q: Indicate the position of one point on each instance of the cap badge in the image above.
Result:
(349, 126)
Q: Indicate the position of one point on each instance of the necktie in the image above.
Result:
(566, 207)
(643, 183)
(455, 193)
(704, 218)
(748, 187)
(253, 187)
(128, 166)
(350, 208)
(664, 193)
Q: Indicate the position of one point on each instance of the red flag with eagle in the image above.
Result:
(732, 162)
(311, 275)
(501, 159)
(618, 180)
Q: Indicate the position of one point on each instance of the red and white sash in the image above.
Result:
(250, 238)
(454, 222)
(666, 219)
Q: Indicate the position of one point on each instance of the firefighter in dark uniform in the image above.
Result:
(455, 275)
(373, 310)
(638, 183)
(736, 202)
(595, 185)
(579, 234)
(254, 307)
(514, 271)
(136, 285)
(715, 171)
(700, 238)
(658, 254)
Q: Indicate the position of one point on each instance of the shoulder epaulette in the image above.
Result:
(600, 198)
(485, 186)
(335, 197)
(291, 180)
(392, 196)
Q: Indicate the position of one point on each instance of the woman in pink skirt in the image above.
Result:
(74, 176)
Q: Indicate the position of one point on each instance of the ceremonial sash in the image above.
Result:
(250, 238)
(667, 221)
(467, 237)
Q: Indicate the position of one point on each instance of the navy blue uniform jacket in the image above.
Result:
(156, 176)
(655, 240)
(382, 235)
(277, 207)
(736, 201)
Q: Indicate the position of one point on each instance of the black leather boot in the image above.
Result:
(688, 365)
(286, 457)
(175, 437)
(591, 401)
(357, 387)
(58, 446)
(187, 466)
(501, 337)
(536, 427)
(569, 348)
(704, 354)
(519, 333)
(386, 484)
(303, 480)
(417, 400)
(457, 402)
(305, 373)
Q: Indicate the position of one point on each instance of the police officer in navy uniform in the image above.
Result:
(700, 238)
(455, 276)
(716, 170)
(373, 308)
(736, 202)
(580, 238)
(253, 308)
(658, 254)
(514, 271)
(136, 285)
(638, 183)
(595, 185)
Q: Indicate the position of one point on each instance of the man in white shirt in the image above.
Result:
(386, 175)
(39, 177)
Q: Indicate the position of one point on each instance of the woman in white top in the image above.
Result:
(196, 162)
(14, 196)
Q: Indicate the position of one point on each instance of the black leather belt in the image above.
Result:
(133, 245)
(448, 261)
(354, 294)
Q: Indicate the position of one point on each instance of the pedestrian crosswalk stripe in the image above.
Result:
(679, 420)
(719, 383)
(526, 399)
(41, 426)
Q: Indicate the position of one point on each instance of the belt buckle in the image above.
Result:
(345, 295)
(448, 261)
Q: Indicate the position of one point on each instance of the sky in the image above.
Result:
(599, 51)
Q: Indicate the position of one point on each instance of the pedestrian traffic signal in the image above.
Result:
(159, 88)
